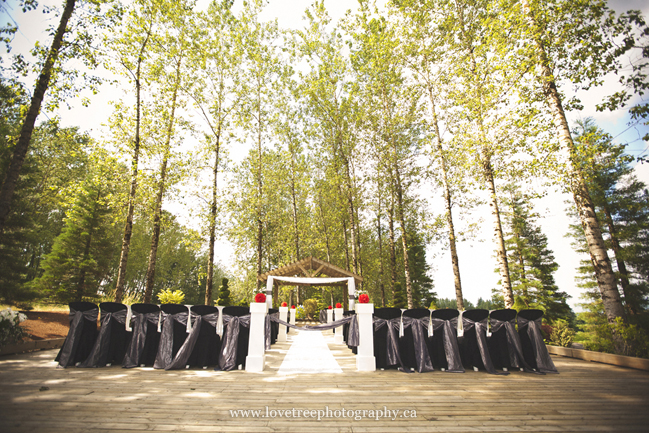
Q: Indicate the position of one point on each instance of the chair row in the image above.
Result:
(424, 340)
(169, 336)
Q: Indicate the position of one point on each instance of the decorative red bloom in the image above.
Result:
(338, 305)
(284, 304)
(260, 297)
(293, 307)
(364, 298)
(330, 307)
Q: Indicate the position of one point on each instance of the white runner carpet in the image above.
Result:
(309, 353)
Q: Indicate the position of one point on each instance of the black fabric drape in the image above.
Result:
(182, 357)
(478, 329)
(229, 357)
(419, 329)
(142, 325)
(274, 326)
(386, 352)
(505, 346)
(80, 339)
(530, 333)
(166, 348)
(102, 352)
(351, 321)
(445, 340)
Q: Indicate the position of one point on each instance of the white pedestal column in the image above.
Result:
(293, 311)
(338, 337)
(255, 360)
(365, 355)
(283, 315)
(330, 315)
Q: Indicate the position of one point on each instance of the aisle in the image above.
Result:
(309, 353)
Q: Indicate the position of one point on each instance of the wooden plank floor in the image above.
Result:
(585, 397)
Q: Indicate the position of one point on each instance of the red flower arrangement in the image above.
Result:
(260, 297)
(338, 305)
(284, 304)
(293, 307)
(364, 298)
(330, 307)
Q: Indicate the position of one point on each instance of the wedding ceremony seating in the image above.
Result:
(112, 340)
(81, 335)
(414, 342)
(236, 333)
(443, 347)
(534, 351)
(474, 346)
(143, 347)
(387, 322)
(174, 333)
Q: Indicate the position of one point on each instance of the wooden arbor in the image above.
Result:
(310, 269)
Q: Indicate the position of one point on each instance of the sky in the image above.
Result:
(477, 258)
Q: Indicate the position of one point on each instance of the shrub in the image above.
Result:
(562, 334)
(224, 294)
(10, 331)
(310, 308)
(169, 297)
(299, 313)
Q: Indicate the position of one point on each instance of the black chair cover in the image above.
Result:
(144, 343)
(475, 351)
(534, 351)
(413, 344)
(387, 323)
(174, 333)
(322, 317)
(81, 336)
(444, 349)
(203, 345)
(236, 333)
(112, 341)
(505, 344)
(274, 326)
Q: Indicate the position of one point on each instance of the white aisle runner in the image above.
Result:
(309, 353)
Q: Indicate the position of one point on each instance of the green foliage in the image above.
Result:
(311, 308)
(171, 297)
(452, 303)
(224, 293)
(399, 300)
(531, 263)
(562, 335)
(10, 331)
(300, 313)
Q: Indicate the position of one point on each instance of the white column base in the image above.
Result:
(255, 363)
(338, 337)
(365, 363)
(283, 313)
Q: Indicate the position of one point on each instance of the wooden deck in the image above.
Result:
(585, 397)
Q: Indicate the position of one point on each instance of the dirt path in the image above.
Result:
(42, 325)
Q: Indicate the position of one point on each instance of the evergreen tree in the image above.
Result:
(82, 254)
(531, 263)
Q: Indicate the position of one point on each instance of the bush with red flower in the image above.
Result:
(293, 307)
(330, 307)
(260, 297)
(364, 298)
(338, 305)
(284, 304)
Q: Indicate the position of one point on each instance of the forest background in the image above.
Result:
(324, 126)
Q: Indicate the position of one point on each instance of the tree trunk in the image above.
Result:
(585, 207)
(393, 252)
(455, 261)
(501, 250)
(128, 227)
(294, 202)
(378, 229)
(210, 259)
(621, 266)
(404, 235)
(22, 146)
(155, 237)
(259, 193)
